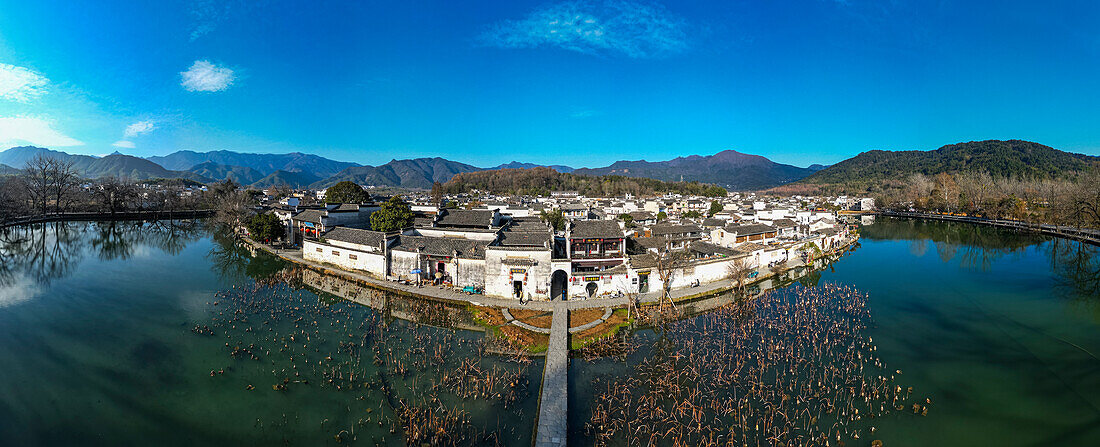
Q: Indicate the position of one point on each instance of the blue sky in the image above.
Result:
(581, 83)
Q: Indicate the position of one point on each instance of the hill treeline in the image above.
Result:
(1011, 159)
(543, 181)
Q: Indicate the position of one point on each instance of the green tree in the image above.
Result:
(346, 192)
(715, 208)
(662, 216)
(265, 227)
(692, 214)
(555, 218)
(627, 219)
(393, 215)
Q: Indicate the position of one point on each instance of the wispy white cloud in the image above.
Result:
(204, 76)
(139, 128)
(582, 114)
(207, 14)
(18, 290)
(17, 130)
(124, 144)
(20, 84)
(600, 27)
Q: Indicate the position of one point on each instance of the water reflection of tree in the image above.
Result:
(918, 248)
(172, 236)
(48, 251)
(115, 240)
(44, 251)
(235, 261)
(810, 279)
(975, 246)
(1076, 268)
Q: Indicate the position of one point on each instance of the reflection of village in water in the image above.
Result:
(422, 311)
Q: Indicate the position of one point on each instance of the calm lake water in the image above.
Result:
(120, 333)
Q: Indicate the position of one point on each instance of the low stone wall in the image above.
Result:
(127, 215)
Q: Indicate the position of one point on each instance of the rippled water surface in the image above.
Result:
(998, 330)
(124, 333)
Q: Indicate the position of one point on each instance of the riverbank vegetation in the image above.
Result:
(1073, 201)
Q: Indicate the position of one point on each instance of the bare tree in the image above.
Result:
(114, 195)
(14, 199)
(36, 174)
(1086, 200)
(231, 204)
(738, 272)
(63, 183)
(668, 262)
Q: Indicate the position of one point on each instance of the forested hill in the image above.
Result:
(1012, 158)
(542, 181)
(730, 169)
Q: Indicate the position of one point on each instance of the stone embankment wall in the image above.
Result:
(128, 215)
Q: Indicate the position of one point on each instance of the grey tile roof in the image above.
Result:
(310, 216)
(662, 229)
(784, 223)
(746, 230)
(356, 236)
(643, 261)
(527, 224)
(650, 242)
(525, 238)
(749, 247)
(441, 246)
(346, 207)
(713, 222)
(708, 249)
(595, 229)
(465, 218)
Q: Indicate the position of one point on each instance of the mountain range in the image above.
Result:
(116, 164)
(729, 169)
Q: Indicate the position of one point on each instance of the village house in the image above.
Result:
(574, 211)
(642, 218)
(311, 223)
(597, 255)
(676, 236)
(351, 248)
(734, 235)
(452, 261)
(519, 263)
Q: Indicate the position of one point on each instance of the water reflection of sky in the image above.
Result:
(18, 289)
(33, 256)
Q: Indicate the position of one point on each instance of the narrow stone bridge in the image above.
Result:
(554, 398)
